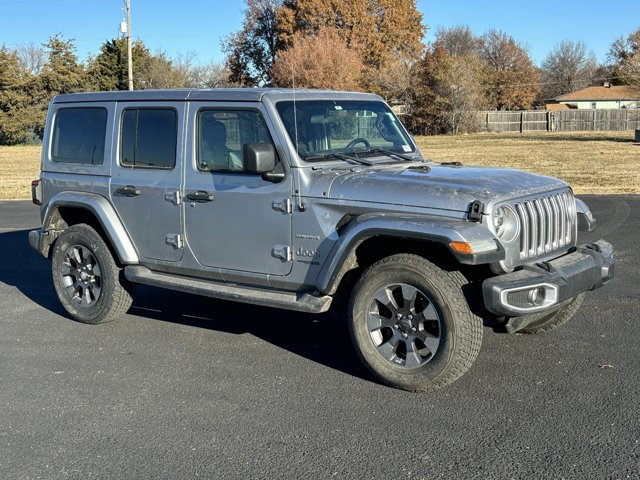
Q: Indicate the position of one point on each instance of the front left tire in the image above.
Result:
(411, 323)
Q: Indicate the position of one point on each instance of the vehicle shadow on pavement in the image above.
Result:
(23, 268)
(321, 338)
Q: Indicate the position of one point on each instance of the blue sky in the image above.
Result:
(198, 26)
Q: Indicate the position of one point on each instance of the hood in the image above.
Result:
(441, 187)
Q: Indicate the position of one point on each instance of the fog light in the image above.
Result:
(530, 299)
(536, 296)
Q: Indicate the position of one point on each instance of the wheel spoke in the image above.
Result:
(413, 357)
(75, 254)
(389, 348)
(86, 296)
(95, 290)
(409, 295)
(386, 298)
(69, 270)
(429, 312)
(69, 280)
(430, 341)
(87, 257)
(376, 321)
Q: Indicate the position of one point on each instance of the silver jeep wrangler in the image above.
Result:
(299, 199)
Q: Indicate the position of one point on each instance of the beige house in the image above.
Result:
(602, 97)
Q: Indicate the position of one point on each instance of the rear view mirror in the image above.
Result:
(259, 158)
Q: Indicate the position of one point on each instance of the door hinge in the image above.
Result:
(284, 206)
(174, 239)
(173, 196)
(283, 252)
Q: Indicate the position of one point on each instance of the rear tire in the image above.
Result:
(411, 324)
(89, 284)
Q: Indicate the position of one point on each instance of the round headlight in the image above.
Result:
(498, 218)
(505, 223)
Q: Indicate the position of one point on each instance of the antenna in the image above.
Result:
(295, 110)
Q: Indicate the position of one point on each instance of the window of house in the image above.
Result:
(593, 105)
(149, 138)
(79, 135)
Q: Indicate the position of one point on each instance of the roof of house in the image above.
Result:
(617, 92)
(553, 107)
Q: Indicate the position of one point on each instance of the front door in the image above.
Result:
(145, 181)
(234, 220)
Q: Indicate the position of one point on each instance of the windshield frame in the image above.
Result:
(405, 146)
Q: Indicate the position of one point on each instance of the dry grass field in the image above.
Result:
(18, 166)
(593, 162)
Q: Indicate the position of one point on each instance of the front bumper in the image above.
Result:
(543, 286)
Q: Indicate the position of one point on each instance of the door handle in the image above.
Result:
(201, 196)
(129, 191)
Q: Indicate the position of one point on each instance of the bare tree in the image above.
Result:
(211, 75)
(459, 40)
(31, 58)
(625, 56)
(568, 67)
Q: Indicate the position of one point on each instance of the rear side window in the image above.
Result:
(79, 135)
(149, 138)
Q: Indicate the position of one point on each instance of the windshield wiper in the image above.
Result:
(340, 156)
(386, 152)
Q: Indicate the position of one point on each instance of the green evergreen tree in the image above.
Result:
(108, 69)
(62, 73)
(19, 116)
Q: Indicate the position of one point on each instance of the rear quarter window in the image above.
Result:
(149, 138)
(79, 135)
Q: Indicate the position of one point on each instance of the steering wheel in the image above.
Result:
(356, 141)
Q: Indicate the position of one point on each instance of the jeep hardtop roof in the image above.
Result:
(213, 94)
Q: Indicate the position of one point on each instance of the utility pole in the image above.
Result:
(127, 6)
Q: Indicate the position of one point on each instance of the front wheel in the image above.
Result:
(411, 323)
(89, 284)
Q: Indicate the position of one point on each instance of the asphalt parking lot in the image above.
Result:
(188, 387)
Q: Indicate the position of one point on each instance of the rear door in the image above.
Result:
(146, 178)
(235, 220)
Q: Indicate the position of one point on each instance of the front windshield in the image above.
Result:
(329, 128)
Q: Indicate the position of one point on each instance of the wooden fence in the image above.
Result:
(560, 121)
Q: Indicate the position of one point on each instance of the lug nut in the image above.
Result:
(405, 335)
(410, 317)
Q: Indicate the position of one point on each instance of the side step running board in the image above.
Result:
(302, 302)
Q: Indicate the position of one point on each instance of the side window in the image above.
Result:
(223, 133)
(149, 137)
(79, 135)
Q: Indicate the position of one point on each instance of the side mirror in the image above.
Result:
(259, 158)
